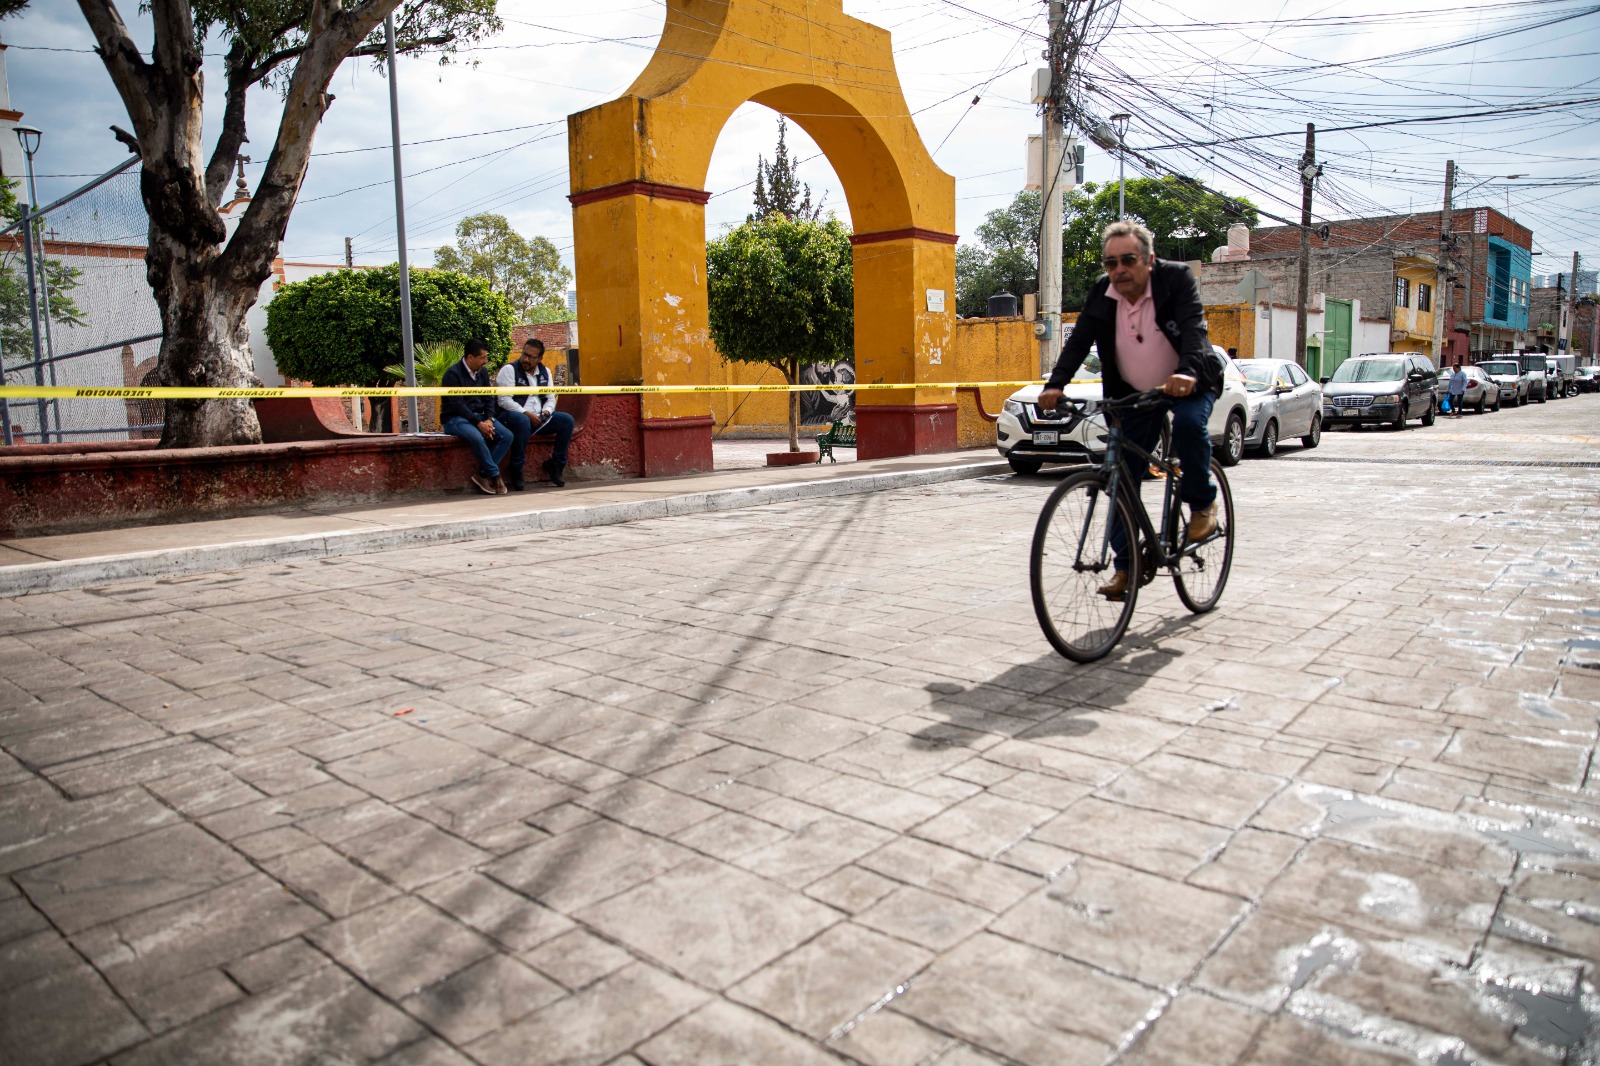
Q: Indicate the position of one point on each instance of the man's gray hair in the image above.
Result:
(1129, 228)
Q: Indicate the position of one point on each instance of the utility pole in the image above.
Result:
(1565, 326)
(407, 350)
(1445, 289)
(349, 256)
(1048, 326)
(1308, 177)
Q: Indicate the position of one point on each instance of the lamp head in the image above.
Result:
(1119, 122)
(29, 137)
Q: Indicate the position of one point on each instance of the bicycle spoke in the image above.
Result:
(1072, 559)
(1201, 569)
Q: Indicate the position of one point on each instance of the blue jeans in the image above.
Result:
(488, 455)
(1191, 447)
(561, 425)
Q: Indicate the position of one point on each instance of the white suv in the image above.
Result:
(1028, 442)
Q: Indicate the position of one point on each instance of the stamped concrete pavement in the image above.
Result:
(803, 784)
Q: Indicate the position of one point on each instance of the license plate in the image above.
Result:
(1047, 436)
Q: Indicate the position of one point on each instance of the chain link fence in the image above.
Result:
(84, 315)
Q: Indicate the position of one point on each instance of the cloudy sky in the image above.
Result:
(1220, 92)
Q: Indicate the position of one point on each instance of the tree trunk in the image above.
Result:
(205, 281)
(207, 344)
(791, 374)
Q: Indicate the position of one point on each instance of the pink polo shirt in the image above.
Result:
(1145, 358)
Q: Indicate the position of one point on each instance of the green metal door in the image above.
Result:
(1338, 320)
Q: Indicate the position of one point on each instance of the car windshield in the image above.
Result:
(1258, 377)
(1505, 367)
(1370, 370)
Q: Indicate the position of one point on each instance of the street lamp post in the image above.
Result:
(29, 138)
(1119, 123)
(407, 348)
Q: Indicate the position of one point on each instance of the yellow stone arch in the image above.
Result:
(638, 168)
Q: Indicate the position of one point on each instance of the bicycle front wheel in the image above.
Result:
(1201, 572)
(1071, 559)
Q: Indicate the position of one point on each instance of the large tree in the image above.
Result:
(1005, 259)
(1188, 221)
(204, 281)
(781, 293)
(526, 272)
(343, 327)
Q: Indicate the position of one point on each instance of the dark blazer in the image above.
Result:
(474, 409)
(1179, 315)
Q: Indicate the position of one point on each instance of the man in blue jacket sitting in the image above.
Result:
(472, 418)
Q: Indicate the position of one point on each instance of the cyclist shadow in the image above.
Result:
(1050, 696)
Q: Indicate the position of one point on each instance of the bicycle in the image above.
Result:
(1072, 551)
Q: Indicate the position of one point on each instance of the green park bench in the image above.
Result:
(839, 435)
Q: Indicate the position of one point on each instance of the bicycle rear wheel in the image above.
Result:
(1071, 559)
(1201, 574)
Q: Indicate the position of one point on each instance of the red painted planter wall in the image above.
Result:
(60, 488)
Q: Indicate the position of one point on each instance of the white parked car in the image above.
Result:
(1284, 402)
(1028, 441)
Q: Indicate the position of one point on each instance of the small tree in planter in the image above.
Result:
(781, 293)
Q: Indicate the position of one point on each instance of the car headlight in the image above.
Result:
(1013, 407)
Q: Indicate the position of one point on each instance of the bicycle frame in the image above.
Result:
(1167, 554)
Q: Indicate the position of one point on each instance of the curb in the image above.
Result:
(167, 562)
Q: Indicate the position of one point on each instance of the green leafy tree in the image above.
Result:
(1188, 221)
(204, 278)
(343, 327)
(526, 272)
(1005, 259)
(779, 190)
(16, 326)
(781, 293)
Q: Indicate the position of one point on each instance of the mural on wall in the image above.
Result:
(828, 405)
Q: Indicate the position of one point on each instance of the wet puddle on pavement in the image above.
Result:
(1552, 1009)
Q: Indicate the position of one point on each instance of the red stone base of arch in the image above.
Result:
(884, 431)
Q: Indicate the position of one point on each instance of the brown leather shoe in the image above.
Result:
(500, 486)
(1202, 523)
(483, 485)
(1116, 590)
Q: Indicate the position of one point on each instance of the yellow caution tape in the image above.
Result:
(70, 392)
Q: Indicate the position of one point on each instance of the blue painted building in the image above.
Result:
(1508, 275)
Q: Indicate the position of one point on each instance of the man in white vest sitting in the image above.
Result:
(533, 413)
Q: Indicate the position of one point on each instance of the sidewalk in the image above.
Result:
(76, 560)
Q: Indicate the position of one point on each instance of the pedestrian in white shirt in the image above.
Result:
(533, 413)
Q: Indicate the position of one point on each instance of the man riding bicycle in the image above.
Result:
(1146, 321)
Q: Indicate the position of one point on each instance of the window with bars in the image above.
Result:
(1424, 296)
(1402, 292)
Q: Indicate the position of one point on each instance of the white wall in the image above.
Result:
(1281, 334)
(12, 162)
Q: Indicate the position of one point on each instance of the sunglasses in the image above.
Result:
(1127, 259)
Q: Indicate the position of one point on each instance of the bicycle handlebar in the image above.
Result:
(1075, 410)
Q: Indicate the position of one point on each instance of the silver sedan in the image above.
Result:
(1482, 392)
(1284, 402)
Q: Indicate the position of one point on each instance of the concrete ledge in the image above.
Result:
(167, 562)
